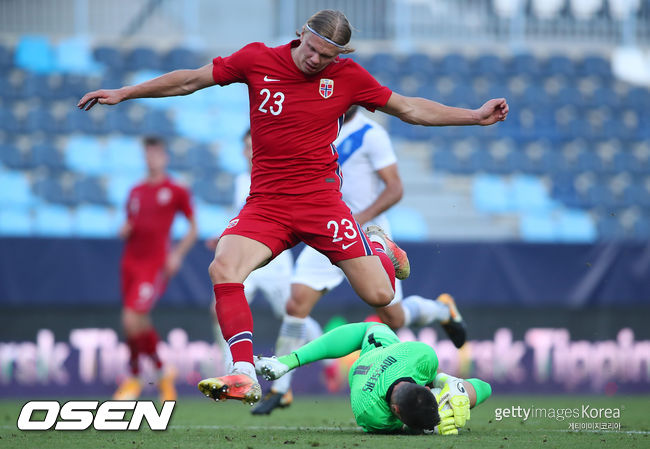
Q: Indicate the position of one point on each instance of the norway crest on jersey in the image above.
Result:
(326, 88)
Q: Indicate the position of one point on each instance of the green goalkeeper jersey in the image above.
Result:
(383, 360)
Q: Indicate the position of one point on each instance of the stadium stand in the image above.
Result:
(570, 164)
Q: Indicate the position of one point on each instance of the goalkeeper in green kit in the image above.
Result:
(393, 383)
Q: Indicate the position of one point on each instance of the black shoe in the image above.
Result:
(455, 327)
(271, 401)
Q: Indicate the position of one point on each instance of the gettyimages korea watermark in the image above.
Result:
(108, 415)
(590, 417)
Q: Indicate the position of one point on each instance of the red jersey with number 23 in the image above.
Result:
(295, 117)
(150, 210)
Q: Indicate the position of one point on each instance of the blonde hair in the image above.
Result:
(333, 26)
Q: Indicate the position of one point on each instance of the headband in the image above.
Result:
(342, 47)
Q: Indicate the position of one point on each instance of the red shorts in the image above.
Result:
(142, 285)
(322, 220)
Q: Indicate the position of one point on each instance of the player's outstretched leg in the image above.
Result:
(396, 254)
(234, 386)
(271, 401)
(129, 389)
(455, 326)
(270, 368)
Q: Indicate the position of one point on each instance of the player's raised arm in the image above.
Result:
(178, 82)
(420, 111)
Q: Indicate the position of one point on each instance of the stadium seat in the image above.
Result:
(124, 155)
(560, 65)
(6, 58)
(59, 190)
(211, 220)
(15, 189)
(407, 224)
(90, 190)
(40, 120)
(419, 65)
(47, 156)
(455, 65)
(215, 189)
(597, 66)
(182, 58)
(92, 221)
(142, 58)
(529, 194)
(35, 86)
(35, 53)
(524, 64)
(84, 155)
(73, 55)
(576, 226)
(119, 186)
(609, 228)
(15, 158)
(53, 221)
(15, 221)
(491, 194)
(490, 66)
(538, 227)
(110, 57)
(157, 122)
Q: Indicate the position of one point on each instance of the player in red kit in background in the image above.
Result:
(298, 95)
(148, 263)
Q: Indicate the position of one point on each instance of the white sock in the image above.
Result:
(226, 355)
(421, 311)
(293, 334)
(312, 329)
(245, 368)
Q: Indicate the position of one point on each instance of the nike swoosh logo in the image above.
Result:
(348, 245)
(266, 78)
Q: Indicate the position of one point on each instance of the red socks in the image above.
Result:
(144, 343)
(385, 261)
(235, 319)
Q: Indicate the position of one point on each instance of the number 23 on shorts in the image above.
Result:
(348, 230)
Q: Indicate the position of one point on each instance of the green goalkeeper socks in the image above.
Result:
(336, 343)
(483, 389)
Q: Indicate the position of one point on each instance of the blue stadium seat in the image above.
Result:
(490, 66)
(157, 122)
(576, 226)
(73, 55)
(119, 186)
(35, 53)
(609, 228)
(215, 189)
(407, 224)
(35, 85)
(15, 158)
(74, 86)
(8, 121)
(84, 155)
(383, 63)
(202, 160)
(77, 121)
(92, 221)
(560, 65)
(524, 64)
(529, 194)
(89, 189)
(40, 120)
(143, 58)
(182, 58)
(56, 190)
(211, 219)
(15, 189)
(179, 159)
(638, 98)
(125, 155)
(15, 221)
(53, 221)
(6, 58)
(110, 57)
(455, 65)
(418, 65)
(597, 66)
(46, 155)
(538, 227)
(491, 194)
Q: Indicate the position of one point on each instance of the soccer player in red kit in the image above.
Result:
(148, 263)
(298, 94)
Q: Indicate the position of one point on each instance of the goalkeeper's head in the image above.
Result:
(413, 404)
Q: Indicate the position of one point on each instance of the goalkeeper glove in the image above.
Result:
(453, 392)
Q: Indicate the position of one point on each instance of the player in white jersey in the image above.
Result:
(371, 186)
(272, 280)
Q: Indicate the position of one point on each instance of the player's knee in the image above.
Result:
(220, 271)
(380, 297)
(297, 308)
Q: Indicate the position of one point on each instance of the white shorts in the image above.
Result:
(274, 281)
(315, 271)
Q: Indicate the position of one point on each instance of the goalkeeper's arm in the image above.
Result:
(336, 343)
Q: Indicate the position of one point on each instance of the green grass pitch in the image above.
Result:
(328, 423)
